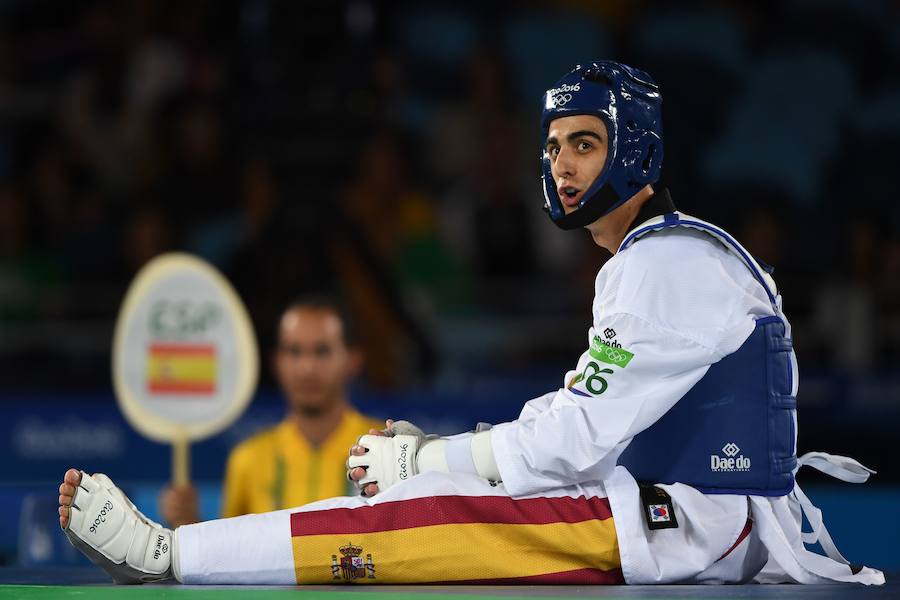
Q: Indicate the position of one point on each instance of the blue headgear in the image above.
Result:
(628, 102)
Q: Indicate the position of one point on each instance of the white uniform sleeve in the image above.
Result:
(633, 372)
(537, 406)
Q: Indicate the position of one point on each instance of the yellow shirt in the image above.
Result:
(278, 468)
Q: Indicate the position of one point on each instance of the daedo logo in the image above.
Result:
(161, 547)
(732, 462)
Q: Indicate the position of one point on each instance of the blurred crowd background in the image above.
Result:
(389, 151)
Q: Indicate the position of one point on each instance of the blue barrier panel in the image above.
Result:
(860, 519)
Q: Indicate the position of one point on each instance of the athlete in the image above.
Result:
(667, 456)
(301, 459)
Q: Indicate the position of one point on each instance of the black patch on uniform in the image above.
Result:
(656, 504)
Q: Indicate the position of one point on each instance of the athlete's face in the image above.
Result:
(312, 362)
(577, 147)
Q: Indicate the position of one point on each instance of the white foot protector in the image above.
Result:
(106, 527)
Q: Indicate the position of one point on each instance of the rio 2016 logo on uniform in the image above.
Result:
(613, 355)
(593, 375)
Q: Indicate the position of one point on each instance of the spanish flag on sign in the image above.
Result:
(181, 369)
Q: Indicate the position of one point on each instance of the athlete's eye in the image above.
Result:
(553, 151)
(584, 146)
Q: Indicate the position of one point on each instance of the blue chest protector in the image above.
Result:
(734, 431)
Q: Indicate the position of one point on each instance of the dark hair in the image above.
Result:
(324, 301)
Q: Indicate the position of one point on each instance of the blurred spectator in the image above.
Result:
(686, 50)
(395, 101)
(90, 239)
(147, 233)
(29, 279)
(362, 241)
(774, 134)
(51, 191)
(459, 124)
(202, 181)
(218, 239)
(391, 217)
(303, 458)
(763, 234)
(478, 153)
(846, 312)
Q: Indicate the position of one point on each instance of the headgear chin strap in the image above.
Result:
(627, 100)
(594, 206)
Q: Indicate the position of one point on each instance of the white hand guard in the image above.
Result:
(388, 460)
(392, 459)
(116, 536)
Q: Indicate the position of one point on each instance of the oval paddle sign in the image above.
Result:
(185, 360)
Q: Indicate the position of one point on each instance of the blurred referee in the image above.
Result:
(301, 459)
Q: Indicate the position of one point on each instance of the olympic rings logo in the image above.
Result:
(614, 355)
(562, 99)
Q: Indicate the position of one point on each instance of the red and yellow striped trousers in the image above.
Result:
(435, 528)
(459, 539)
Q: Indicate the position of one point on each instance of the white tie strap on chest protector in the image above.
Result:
(779, 521)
